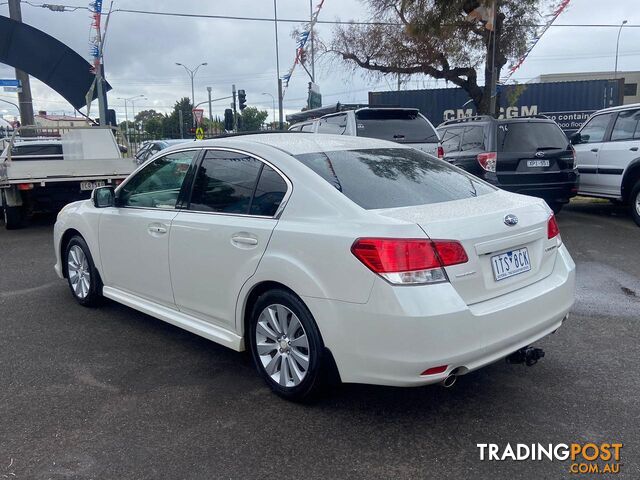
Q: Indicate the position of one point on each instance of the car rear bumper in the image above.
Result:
(403, 331)
(551, 191)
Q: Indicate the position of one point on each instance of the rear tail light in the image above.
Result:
(552, 228)
(409, 261)
(25, 186)
(440, 152)
(488, 161)
(117, 182)
(573, 154)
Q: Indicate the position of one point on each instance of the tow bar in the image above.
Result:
(527, 355)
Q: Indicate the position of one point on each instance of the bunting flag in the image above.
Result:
(95, 7)
(301, 43)
(550, 18)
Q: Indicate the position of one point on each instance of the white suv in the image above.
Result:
(608, 156)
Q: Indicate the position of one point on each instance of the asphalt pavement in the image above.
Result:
(112, 393)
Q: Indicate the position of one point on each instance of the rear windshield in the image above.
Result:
(530, 136)
(393, 177)
(396, 125)
(36, 152)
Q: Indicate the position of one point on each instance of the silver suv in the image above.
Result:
(608, 156)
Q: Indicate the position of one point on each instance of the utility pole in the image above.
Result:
(210, 114)
(181, 120)
(494, 80)
(615, 72)
(313, 60)
(24, 98)
(280, 112)
(233, 105)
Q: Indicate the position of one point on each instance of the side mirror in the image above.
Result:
(103, 197)
(576, 138)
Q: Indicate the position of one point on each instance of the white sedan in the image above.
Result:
(324, 254)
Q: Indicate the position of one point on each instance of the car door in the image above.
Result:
(615, 154)
(218, 240)
(134, 235)
(592, 136)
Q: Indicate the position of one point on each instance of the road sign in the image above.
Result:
(10, 82)
(199, 133)
(198, 114)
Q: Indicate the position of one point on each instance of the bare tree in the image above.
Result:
(435, 38)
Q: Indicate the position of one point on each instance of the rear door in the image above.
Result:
(532, 152)
(620, 150)
(218, 241)
(592, 136)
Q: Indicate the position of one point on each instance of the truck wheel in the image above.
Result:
(634, 203)
(13, 217)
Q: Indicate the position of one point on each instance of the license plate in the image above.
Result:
(537, 163)
(92, 185)
(510, 263)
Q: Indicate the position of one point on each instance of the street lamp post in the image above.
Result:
(192, 74)
(273, 107)
(126, 113)
(133, 109)
(615, 72)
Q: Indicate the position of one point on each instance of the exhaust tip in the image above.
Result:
(449, 381)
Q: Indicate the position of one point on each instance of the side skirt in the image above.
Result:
(179, 319)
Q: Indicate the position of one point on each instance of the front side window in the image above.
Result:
(158, 184)
(225, 182)
(626, 125)
(595, 129)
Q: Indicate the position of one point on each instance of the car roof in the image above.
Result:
(297, 143)
(485, 119)
(619, 108)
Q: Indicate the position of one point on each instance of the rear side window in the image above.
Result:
(451, 139)
(270, 191)
(393, 177)
(403, 126)
(225, 182)
(530, 137)
(37, 152)
(335, 124)
(472, 138)
(626, 126)
(307, 128)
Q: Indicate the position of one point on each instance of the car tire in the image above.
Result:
(634, 203)
(83, 277)
(556, 207)
(286, 346)
(13, 217)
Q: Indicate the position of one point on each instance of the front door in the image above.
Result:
(218, 241)
(134, 235)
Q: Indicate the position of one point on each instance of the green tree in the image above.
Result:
(171, 123)
(252, 119)
(435, 38)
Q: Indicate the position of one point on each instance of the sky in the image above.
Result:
(141, 52)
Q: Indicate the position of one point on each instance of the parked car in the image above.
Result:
(401, 125)
(528, 155)
(150, 148)
(318, 252)
(608, 157)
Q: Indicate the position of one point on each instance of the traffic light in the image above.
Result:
(228, 119)
(242, 99)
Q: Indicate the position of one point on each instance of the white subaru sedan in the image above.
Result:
(324, 255)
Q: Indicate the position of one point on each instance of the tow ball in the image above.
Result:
(527, 355)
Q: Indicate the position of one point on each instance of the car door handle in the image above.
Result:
(634, 149)
(242, 240)
(157, 228)
(594, 150)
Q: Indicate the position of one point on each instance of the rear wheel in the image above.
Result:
(13, 217)
(634, 203)
(84, 280)
(556, 207)
(286, 345)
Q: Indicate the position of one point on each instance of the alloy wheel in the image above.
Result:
(79, 271)
(282, 345)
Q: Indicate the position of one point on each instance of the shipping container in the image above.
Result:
(568, 103)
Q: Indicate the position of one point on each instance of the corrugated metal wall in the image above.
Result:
(569, 103)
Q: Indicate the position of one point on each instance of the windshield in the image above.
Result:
(393, 177)
(530, 137)
(403, 126)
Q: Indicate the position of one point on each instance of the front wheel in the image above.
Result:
(634, 203)
(286, 345)
(84, 280)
